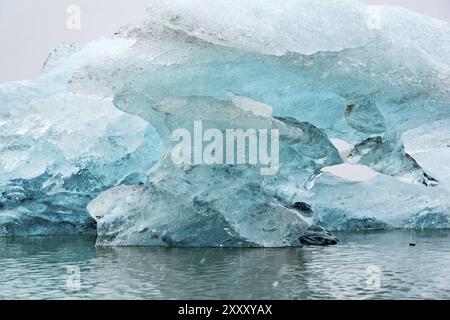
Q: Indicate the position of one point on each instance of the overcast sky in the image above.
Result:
(29, 29)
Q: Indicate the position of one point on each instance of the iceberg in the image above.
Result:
(221, 204)
(86, 146)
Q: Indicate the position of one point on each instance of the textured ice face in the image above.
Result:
(375, 77)
(58, 150)
(381, 203)
(217, 205)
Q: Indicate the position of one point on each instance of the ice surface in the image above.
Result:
(381, 203)
(387, 155)
(219, 205)
(58, 150)
(375, 77)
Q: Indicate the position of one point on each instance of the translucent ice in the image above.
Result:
(219, 205)
(382, 203)
(58, 150)
(375, 77)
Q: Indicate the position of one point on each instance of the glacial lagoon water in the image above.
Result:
(375, 265)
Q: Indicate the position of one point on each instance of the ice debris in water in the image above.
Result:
(375, 77)
(318, 236)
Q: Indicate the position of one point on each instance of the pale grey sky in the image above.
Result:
(29, 29)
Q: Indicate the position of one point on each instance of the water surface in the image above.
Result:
(376, 265)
